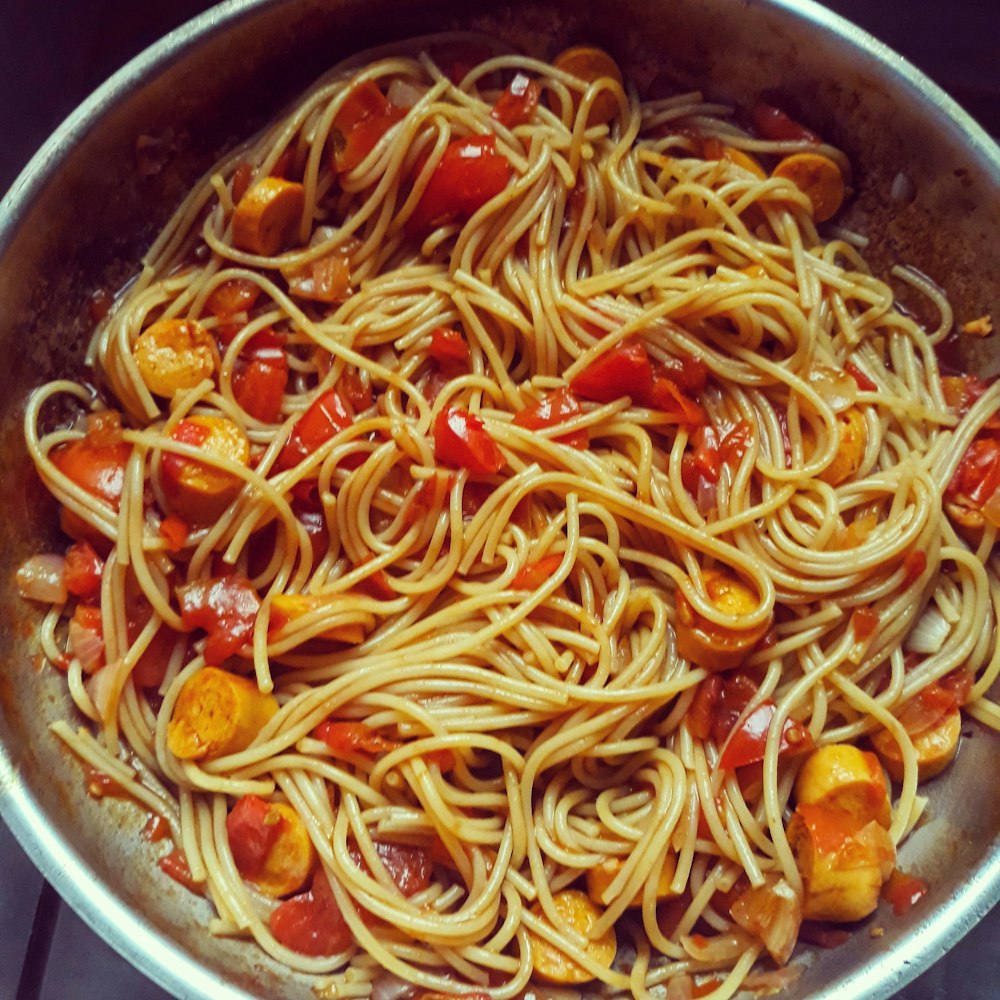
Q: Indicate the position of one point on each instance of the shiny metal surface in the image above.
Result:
(78, 218)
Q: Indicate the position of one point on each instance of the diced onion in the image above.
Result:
(43, 578)
(991, 509)
(680, 988)
(707, 497)
(765, 984)
(86, 645)
(405, 93)
(928, 634)
(386, 986)
(99, 688)
(836, 388)
(772, 913)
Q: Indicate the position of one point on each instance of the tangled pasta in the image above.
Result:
(504, 523)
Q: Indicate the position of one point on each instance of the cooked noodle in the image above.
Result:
(563, 706)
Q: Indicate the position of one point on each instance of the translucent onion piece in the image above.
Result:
(43, 578)
(928, 634)
(836, 388)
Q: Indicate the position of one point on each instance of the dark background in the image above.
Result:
(55, 52)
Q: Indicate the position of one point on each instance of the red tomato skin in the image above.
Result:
(772, 123)
(363, 118)
(737, 692)
(461, 441)
(706, 458)
(551, 410)
(175, 865)
(174, 531)
(977, 477)
(259, 388)
(700, 715)
(252, 831)
(903, 892)
(533, 575)
(747, 742)
(83, 570)
(311, 923)
(355, 391)
(913, 566)
(625, 370)
(99, 469)
(409, 867)
(959, 683)
(668, 398)
(353, 737)
(690, 373)
(448, 346)
(735, 442)
(231, 297)
(325, 417)
(226, 607)
(863, 382)
(517, 103)
(864, 622)
(468, 175)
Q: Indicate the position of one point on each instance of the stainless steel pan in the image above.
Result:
(81, 214)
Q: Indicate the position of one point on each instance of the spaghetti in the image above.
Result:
(500, 502)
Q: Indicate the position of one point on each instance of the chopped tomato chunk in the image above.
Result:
(701, 714)
(737, 692)
(903, 892)
(409, 867)
(226, 607)
(377, 583)
(864, 383)
(625, 370)
(311, 923)
(253, 827)
(174, 531)
(517, 103)
(448, 346)
(913, 566)
(325, 417)
(977, 477)
(175, 865)
(551, 410)
(772, 123)
(461, 441)
(97, 468)
(83, 570)
(356, 391)
(703, 460)
(237, 295)
(864, 621)
(746, 743)
(363, 118)
(469, 174)
(667, 397)
(735, 442)
(689, 373)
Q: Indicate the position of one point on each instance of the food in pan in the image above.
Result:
(516, 540)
